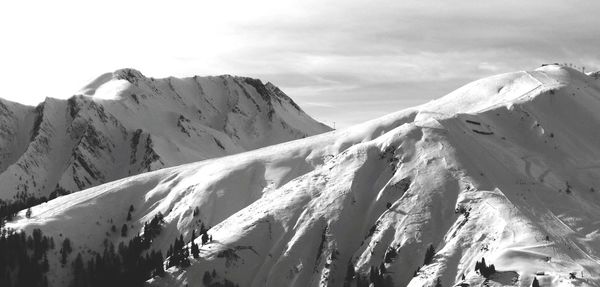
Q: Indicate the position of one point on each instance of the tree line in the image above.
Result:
(23, 259)
(129, 264)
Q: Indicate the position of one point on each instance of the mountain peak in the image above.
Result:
(504, 90)
(504, 168)
(129, 74)
(159, 122)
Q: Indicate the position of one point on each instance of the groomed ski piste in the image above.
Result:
(506, 168)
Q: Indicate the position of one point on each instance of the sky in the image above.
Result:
(342, 61)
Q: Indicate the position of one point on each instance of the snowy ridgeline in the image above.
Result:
(124, 123)
(495, 183)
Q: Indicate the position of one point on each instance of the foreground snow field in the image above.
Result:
(124, 123)
(506, 168)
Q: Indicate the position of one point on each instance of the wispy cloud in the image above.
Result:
(343, 61)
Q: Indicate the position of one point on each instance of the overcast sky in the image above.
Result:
(343, 61)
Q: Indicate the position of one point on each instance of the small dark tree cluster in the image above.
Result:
(194, 247)
(152, 228)
(463, 210)
(65, 250)
(124, 230)
(429, 255)
(10, 208)
(376, 277)
(58, 191)
(390, 255)
(535, 282)
(204, 235)
(23, 259)
(484, 269)
(350, 274)
(203, 230)
(129, 212)
(211, 279)
(131, 264)
(178, 254)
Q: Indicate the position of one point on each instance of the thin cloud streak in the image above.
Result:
(367, 58)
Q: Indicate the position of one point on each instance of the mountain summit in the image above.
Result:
(124, 123)
(494, 184)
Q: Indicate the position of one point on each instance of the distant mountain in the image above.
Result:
(124, 123)
(505, 168)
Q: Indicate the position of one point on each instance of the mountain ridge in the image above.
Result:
(503, 169)
(123, 123)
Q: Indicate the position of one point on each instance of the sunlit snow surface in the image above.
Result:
(124, 123)
(520, 152)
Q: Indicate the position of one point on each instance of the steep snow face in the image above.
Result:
(504, 168)
(123, 124)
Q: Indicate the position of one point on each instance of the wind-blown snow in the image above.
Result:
(504, 168)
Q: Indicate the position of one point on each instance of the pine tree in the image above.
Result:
(195, 250)
(160, 269)
(45, 264)
(483, 269)
(193, 235)
(65, 250)
(372, 274)
(206, 278)
(429, 255)
(180, 253)
(390, 255)
(78, 272)
(124, 230)
(350, 272)
(535, 282)
(194, 247)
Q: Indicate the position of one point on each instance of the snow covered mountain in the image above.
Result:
(505, 168)
(124, 123)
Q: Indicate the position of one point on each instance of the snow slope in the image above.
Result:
(123, 123)
(504, 168)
